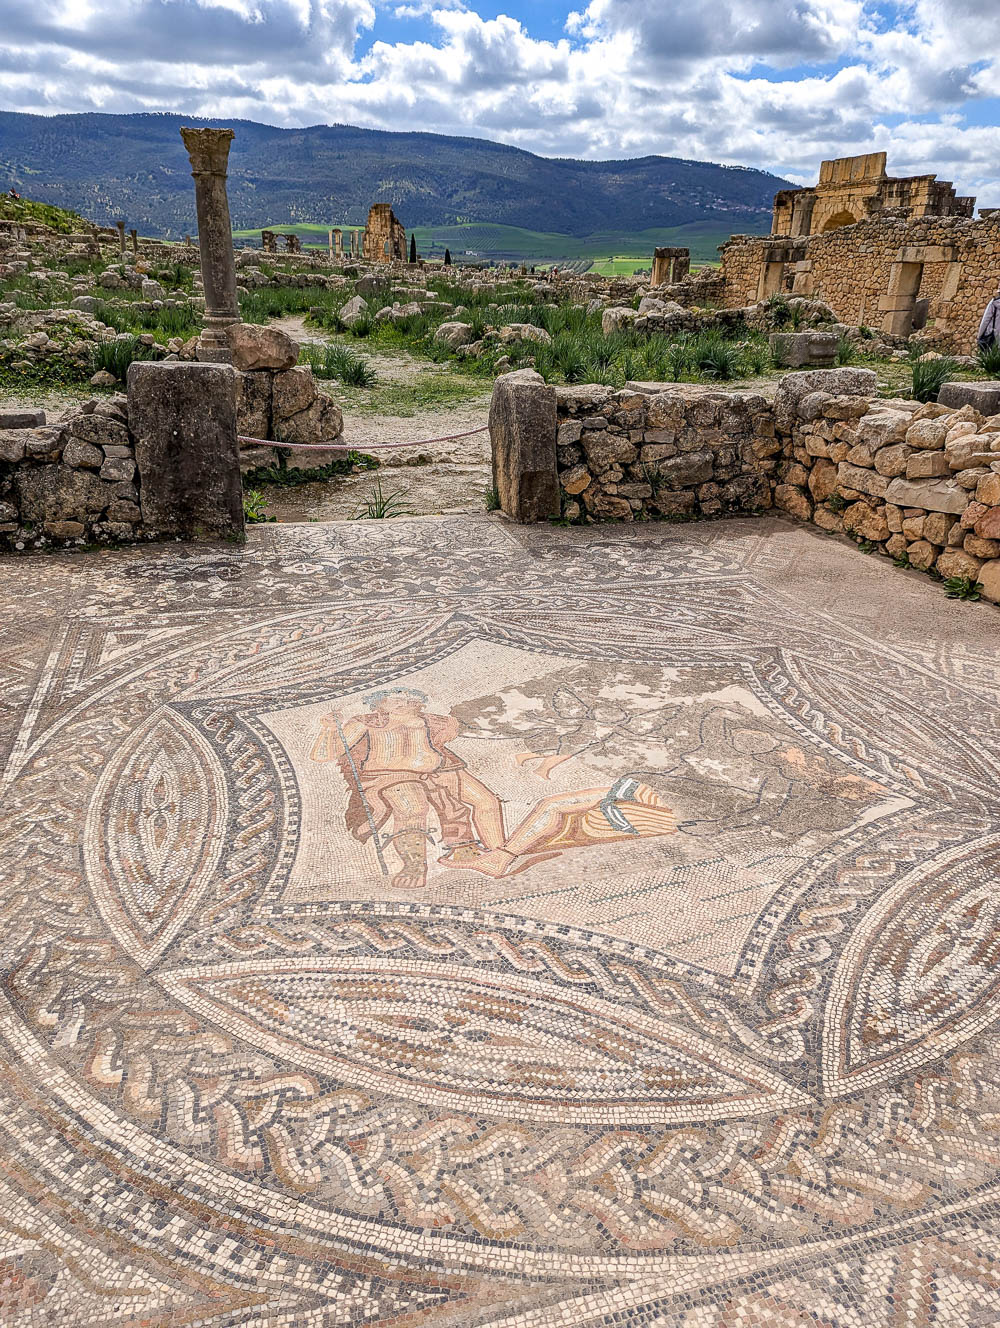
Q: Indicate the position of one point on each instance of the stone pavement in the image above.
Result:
(441, 922)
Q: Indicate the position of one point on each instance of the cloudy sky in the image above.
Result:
(773, 83)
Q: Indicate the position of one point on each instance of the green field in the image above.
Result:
(611, 252)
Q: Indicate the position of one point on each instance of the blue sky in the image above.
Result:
(778, 84)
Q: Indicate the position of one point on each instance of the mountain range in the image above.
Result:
(134, 168)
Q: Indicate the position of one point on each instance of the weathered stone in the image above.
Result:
(861, 455)
(956, 562)
(891, 461)
(118, 470)
(64, 529)
(322, 421)
(21, 419)
(867, 522)
(927, 433)
(54, 492)
(13, 445)
(253, 404)
(823, 480)
(934, 495)
(983, 397)
(569, 433)
(988, 489)
(880, 428)
(846, 408)
(523, 430)
(793, 501)
(515, 332)
(603, 449)
(682, 471)
(354, 310)
(454, 335)
(184, 420)
(968, 451)
(100, 430)
(576, 479)
(78, 453)
(938, 527)
(921, 554)
(989, 579)
(813, 405)
(608, 505)
(913, 527)
(864, 481)
(827, 520)
(926, 465)
(292, 391)
(894, 516)
(255, 347)
(795, 349)
(973, 513)
(988, 526)
(613, 320)
(981, 548)
(895, 545)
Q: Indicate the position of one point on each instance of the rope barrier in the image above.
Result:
(354, 447)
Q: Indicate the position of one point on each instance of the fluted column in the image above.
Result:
(208, 152)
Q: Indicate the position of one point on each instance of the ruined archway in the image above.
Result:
(837, 220)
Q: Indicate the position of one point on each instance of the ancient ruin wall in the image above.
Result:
(875, 273)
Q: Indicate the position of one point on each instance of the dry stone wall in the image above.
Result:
(918, 483)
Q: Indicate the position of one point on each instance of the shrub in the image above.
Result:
(379, 506)
(846, 351)
(334, 361)
(989, 359)
(114, 357)
(929, 376)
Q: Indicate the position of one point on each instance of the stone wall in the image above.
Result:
(879, 272)
(919, 483)
(71, 482)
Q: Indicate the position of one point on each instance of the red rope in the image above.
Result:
(354, 447)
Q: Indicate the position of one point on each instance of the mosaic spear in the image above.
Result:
(361, 795)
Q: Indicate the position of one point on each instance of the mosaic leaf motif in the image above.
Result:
(920, 976)
(155, 833)
(521, 1049)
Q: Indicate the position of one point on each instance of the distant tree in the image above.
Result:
(413, 248)
(447, 258)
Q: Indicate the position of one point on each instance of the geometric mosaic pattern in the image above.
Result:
(444, 922)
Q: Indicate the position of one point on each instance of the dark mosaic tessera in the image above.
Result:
(441, 922)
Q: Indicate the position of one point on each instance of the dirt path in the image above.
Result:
(425, 479)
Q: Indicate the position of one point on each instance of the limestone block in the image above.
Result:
(253, 404)
(54, 492)
(828, 520)
(813, 405)
(988, 526)
(846, 408)
(988, 490)
(956, 562)
(921, 554)
(933, 495)
(515, 332)
(796, 349)
(256, 347)
(523, 428)
(453, 335)
(823, 481)
(913, 527)
(78, 453)
(938, 527)
(292, 391)
(322, 421)
(793, 501)
(894, 516)
(989, 579)
(576, 479)
(861, 455)
(868, 522)
(118, 470)
(603, 449)
(863, 480)
(926, 465)
(927, 433)
(880, 428)
(21, 419)
(981, 548)
(983, 397)
(682, 471)
(615, 319)
(969, 450)
(892, 460)
(100, 430)
(569, 433)
(184, 420)
(353, 310)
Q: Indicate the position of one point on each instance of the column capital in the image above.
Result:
(208, 150)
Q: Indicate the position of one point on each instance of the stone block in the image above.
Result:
(956, 562)
(926, 465)
(292, 391)
(795, 350)
(603, 449)
(921, 554)
(868, 522)
(932, 495)
(576, 479)
(453, 335)
(793, 501)
(892, 460)
(253, 404)
(682, 471)
(52, 493)
(937, 527)
(523, 428)
(255, 347)
(989, 579)
(863, 480)
(21, 419)
(984, 397)
(78, 453)
(184, 420)
(988, 490)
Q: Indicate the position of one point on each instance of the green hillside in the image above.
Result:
(488, 241)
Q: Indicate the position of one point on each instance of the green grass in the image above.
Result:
(405, 399)
(335, 360)
(26, 209)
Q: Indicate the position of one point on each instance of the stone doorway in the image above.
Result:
(899, 305)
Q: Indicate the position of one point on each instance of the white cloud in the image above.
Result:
(774, 83)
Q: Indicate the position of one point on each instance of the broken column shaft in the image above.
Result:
(208, 152)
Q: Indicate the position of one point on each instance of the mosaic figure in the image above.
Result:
(399, 769)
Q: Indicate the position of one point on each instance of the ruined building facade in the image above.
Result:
(899, 255)
(385, 235)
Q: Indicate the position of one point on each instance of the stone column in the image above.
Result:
(134, 237)
(208, 152)
(121, 239)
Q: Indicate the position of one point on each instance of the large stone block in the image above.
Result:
(183, 417)
(253, 404)
(54, 493)
(796, 350)
(256, 347)
(931, 495)
(523, 429)
(984, 397)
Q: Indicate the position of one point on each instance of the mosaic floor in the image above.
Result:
(439, 922)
